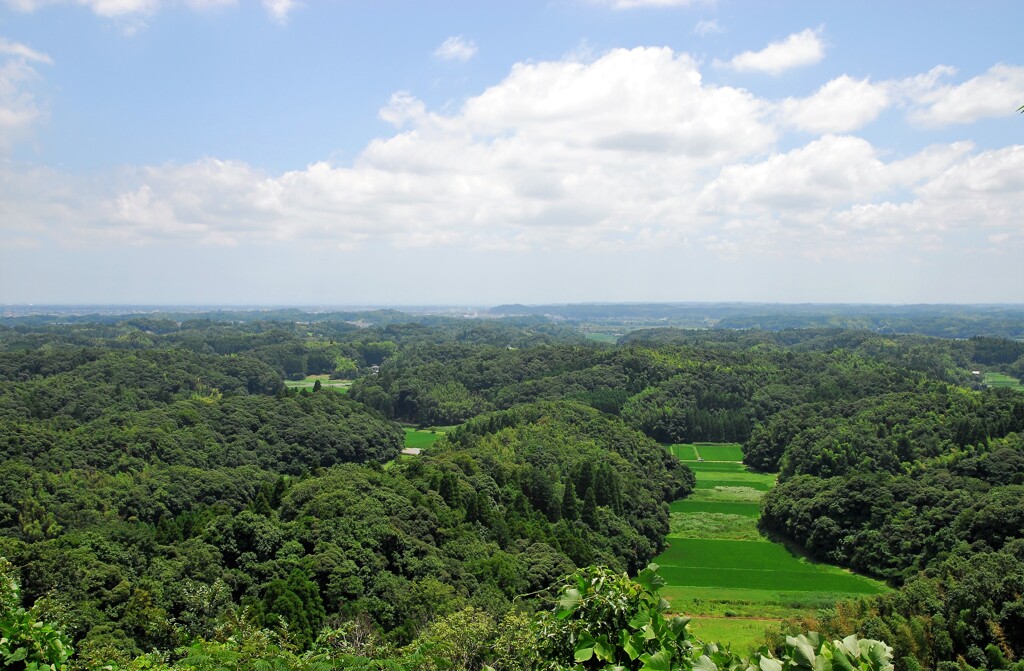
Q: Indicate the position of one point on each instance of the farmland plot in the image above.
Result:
(719, 569)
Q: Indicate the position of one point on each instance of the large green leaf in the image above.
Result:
(677, 625)
(640, 620)
(801, 651)
(568, 604)
(659, 661)
(603, 650)
(704, 663)
(633, 645)
(649, 578)
(840, 662)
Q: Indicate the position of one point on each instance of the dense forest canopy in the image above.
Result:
(162, 487)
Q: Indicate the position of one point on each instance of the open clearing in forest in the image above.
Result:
(707, 451)
(325, 382)
(745, 509)
(602, 337)
(735, 583)
(421, 438)
(1002, 380)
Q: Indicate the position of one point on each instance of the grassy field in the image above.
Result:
(683, 451)
(733, 467)
(714, 525)
(610, 338)
(729, 629)
(420, 438)
(721, 571)
(753, 484)
(759, 565)
(1001, 380)
(325, 381)
(707, 451)
(744, 509)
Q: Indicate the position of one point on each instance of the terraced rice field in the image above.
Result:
(721, 571)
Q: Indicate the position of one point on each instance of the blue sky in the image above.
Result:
(278, 152)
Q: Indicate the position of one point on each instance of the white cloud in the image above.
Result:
(402, 109)
(630, 151)
(996, 93)
(19, 109)
(797, 50)
(836, 198)
(25, 53)
(840, 106)
(279, 10)
(825, 173)
(132, 12)
(980, 194)
(105, 8)
(707, 27)
(456, 48)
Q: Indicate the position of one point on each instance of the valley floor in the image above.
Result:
(721, 571)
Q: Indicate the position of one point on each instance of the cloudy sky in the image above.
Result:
(353, 152)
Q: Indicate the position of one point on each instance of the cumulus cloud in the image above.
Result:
(995, 93)
(456, 48)
(797, 50)
(842, 105)
(19, 109)
(632, 150)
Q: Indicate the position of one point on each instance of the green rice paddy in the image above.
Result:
(419, 438)
(753, 484)
(752, 510)
(1002, 380)
(707, 451)
(721, 571)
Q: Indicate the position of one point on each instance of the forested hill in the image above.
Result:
(148, 491)
(162, 490)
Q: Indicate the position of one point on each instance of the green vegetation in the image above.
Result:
(760, 485)
(753, 565)
(310, 382)
(720, 452)
(419, 438)
(720, 568)
(998, 380)
(683, 452)
(606, 338)
(183, 492)
(750, 510)
(713, 525)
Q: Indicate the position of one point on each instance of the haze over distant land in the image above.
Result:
(282, 153)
